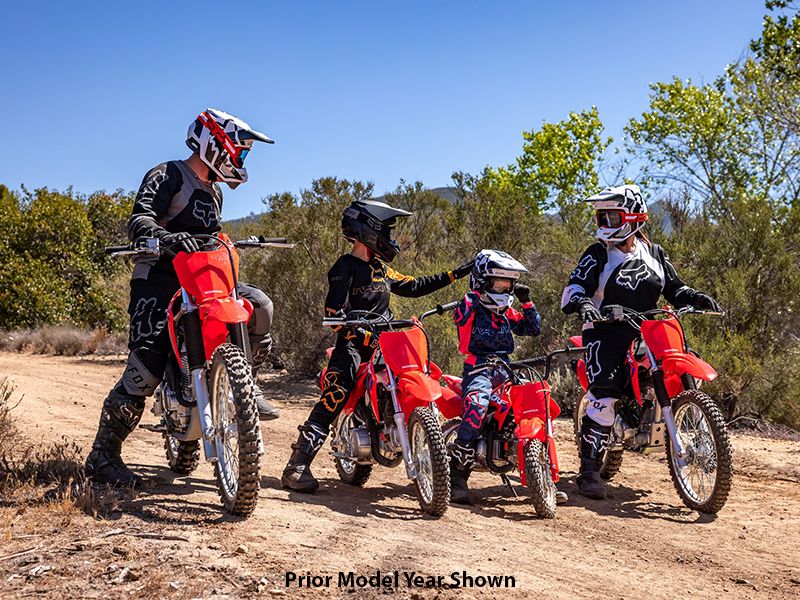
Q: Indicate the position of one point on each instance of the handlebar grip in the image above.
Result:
(443, 308)
(281, 240)
(112, 249)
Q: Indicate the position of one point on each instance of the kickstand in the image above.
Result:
(507, 481)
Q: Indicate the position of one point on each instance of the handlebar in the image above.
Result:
(529, 363)
(153, 246)
(439, 310)
(616, 312)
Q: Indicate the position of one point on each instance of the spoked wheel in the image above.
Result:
(235, 416)
(703, 479)
(349, 470)
(183, 457)
(612, 458)
(540, 483)
(432, 483)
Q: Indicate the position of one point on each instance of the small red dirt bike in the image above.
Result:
(391, 416)
(665, 410)
(524, 441)
(206, 393)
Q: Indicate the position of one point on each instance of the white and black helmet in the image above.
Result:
(620, 212)
(494, 264)
(222, 142)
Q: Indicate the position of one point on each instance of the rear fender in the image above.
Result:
(581, 372)
(450, 403)
(454, 383)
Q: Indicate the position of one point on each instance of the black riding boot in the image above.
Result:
(297, 473)
(260, 351)
(119, 417)
(594, 441)
(461, 460)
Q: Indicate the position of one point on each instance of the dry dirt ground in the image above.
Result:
(640, 543)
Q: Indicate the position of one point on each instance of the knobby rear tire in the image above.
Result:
(350, 472)
(237, 481)
(182, 457)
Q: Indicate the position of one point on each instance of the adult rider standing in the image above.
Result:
(176, 199)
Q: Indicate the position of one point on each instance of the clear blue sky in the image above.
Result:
(94, 94)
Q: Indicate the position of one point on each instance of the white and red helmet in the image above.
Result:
(222, 142)
(491, 265)
(620, 212)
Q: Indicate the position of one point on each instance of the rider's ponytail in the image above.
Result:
(643, 237)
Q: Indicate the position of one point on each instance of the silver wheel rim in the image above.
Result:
(699, 477)
(348, 466)
(227, 433)
(172, 444)
(421, 452)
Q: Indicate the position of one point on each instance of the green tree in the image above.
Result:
(51, 267)
(558, 163)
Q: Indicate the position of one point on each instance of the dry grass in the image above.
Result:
(64, 340)
(50, 475)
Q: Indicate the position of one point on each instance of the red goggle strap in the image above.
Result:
(220, 134)
(626, 217)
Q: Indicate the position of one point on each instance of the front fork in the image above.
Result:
(669, 419)
(400, 426)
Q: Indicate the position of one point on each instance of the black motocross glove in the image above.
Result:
(523, 293)
(463, 270)
(587, 311)
(703, 301)
(189, 245)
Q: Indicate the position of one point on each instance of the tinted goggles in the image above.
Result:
(616, 218)
(500, 285)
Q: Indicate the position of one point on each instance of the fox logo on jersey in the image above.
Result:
(205, 212)
(583, 268)
(631, 276)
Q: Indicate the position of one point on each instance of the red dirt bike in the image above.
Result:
(207, 390)
(665, 410)
(391, 414)
(525, 441)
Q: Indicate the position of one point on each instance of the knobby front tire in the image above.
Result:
(432, 484)
(540, 483)
(235, 414)
(704, 482)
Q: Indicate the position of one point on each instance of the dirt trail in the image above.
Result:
(640, 543)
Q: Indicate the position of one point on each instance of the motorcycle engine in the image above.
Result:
(174, 414)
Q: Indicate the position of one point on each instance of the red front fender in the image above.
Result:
(687, 363)
(225, 310)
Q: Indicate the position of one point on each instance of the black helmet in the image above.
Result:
(371, 223)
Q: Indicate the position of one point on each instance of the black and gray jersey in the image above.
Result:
(607, 275)
(171, 199)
